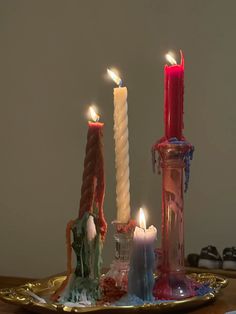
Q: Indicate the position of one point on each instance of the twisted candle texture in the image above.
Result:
(93, 186)
(122, 154)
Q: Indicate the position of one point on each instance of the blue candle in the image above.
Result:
(142, 263)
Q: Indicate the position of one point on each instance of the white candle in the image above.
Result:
(121, 150)
(142, 262)
(141, 233)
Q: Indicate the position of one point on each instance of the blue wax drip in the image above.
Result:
(140, 278)
(203, 289)
(187, 158)
(131, 299)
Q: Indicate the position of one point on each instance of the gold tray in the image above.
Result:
(44, 288)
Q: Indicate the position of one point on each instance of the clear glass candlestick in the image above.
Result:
(115, 281)
(120, 265)
(172, 283)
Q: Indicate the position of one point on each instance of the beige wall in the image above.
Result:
(53, 55)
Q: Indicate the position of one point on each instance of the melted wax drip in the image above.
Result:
(187, 158)
(82, 286)
(132, 300)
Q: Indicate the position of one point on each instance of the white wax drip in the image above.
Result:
(148, 235)
(91, 229)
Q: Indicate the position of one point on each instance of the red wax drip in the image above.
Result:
(174, 95)
(93, 185)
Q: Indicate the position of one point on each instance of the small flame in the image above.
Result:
(142, 219)
(95, 117)
(170, 59)
(114, 77)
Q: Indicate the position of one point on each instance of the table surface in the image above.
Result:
(225, 302)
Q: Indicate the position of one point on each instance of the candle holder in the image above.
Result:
(115, 281)
(172, 283)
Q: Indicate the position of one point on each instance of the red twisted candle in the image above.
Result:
(93, 185)
(92, 190)
(174, 92)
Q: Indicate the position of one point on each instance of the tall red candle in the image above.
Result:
(93, 184)
(174, 96)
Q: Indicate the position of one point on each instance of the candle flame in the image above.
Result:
(142, 219)
(114, 77)
(95, 117)
(170, 59)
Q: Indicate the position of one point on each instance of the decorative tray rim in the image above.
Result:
(21, 296)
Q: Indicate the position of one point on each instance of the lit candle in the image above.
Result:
(174, 94)
(93, 184)
(142, 263)
(89, 229)
(121, 150)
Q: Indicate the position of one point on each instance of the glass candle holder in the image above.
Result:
(172, 282)
(116, 279)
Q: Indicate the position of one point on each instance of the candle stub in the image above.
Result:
(141, 279)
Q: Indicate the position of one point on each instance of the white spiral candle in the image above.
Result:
(121, 154)
(121, 136)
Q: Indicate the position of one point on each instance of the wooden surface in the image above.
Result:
(8, 282)
(225, 302)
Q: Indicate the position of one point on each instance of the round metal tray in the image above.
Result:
(28, 296)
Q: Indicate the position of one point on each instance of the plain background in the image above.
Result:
(53, 59)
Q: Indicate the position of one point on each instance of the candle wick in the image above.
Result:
(120, 83)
